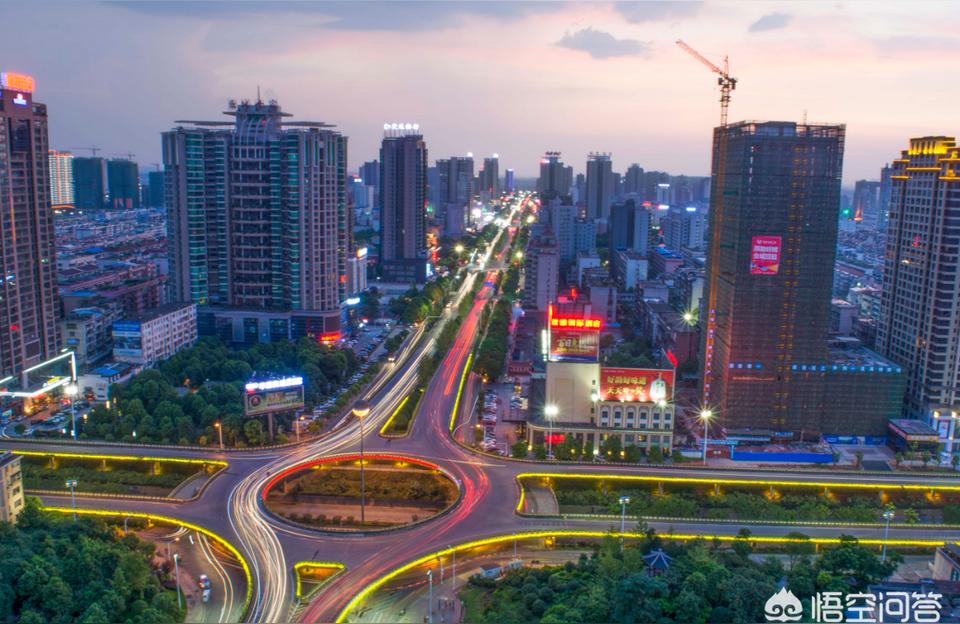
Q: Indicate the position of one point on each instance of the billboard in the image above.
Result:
(765, 255)
(267, 397)
(574, 346)
(635, 384)
(127, 341)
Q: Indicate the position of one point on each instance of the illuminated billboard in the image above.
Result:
(765, 255)
(274, 395)
(573, 338)
(636, 384)
(574, 346)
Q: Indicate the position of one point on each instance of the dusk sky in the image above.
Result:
(509, 77)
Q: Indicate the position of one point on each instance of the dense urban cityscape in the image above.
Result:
(287, 375)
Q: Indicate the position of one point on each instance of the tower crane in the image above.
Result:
(717, 189)
(727, 82)
(92, 149)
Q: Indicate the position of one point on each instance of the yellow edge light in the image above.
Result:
(456, 402)
(328, 565)
(389, 422)
(706, 480)
(369, 589)
(173, 460)
(523, 495)
(169, 520)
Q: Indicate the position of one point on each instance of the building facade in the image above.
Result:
(555, 178)
(629, 227)
(773, 223)
(920, 301)
(61, 180)
(599, 186)
(541, 271)
(403, 204)
(155, 336)
(123, 181)
(258, 216)
(90, 183)
(11, 487)
(30, 311)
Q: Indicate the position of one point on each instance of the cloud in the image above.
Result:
(655, 10)
(603, 45)
(770, 21)
(382, 15)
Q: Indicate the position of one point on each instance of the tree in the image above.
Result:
(539, 452)
(253, 431)
(568, 449)
(655, 455)
(519, 449)
(955, 460)
(611, 447)
(859, 459)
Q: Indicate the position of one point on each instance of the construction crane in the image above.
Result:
(717, 189)
(727, 82)
(130, 155)
(93, 149)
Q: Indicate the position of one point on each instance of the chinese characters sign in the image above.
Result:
(635, 384)
(574, 345)
(765, 255)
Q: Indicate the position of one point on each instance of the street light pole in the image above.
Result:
(219, 432)
(623, 511)
(176, 565)
(72, 484)
(72, 390)
(888, 516)
(361, 409)
(705, 416)
(430, 597)
(550, 411)
(453, 576)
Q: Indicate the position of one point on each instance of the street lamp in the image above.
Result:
(550, 411)
(299, 423)
(518, 255)
(453, 576)
(623, 512)
(887, 516)
(689, 318)
(458, 248)
(219, 432)
(430, 597)
(176, 565)
(72, 484)
(361, 409)
(705, 415)
(72, 390)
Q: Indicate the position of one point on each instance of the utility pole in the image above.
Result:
(72, 484)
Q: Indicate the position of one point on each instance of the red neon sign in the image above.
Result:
(575, 323)
(330, 337)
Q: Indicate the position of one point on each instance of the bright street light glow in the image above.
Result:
(706, 414)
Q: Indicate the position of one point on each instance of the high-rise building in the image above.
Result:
(633, 180)
(866, 202)
(555, 178)
(629, 227)
(541, 271)
(403, 204)
(508, 182)
(773, 221)
(886, 187)
(258, 222)
(155, 189)
(123, 180)
(599, 186)
(61, 180)
(490, 176)
(90, 183)
(29, 316)
(920, 305)
(684, 228)
(455, 185)
(11, 487)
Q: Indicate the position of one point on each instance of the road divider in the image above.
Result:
(305, 567)
(572, 533)
(120, 515)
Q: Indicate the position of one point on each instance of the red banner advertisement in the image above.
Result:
(636, 384)
(765, 255)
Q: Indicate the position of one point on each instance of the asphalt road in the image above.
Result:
(231, 504)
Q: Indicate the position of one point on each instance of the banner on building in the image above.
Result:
(765, 255)
(636, 384)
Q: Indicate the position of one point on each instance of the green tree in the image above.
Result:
(519, 449)
(253, 431)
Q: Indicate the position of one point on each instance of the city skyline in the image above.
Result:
(574, 56)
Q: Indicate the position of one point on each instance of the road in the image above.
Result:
(231, 504)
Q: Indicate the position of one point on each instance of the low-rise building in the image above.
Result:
(630, 268)
(668, 332)
(11, 484)
(664, 261)
(95, 385)
(88, 332)
(156, 335)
